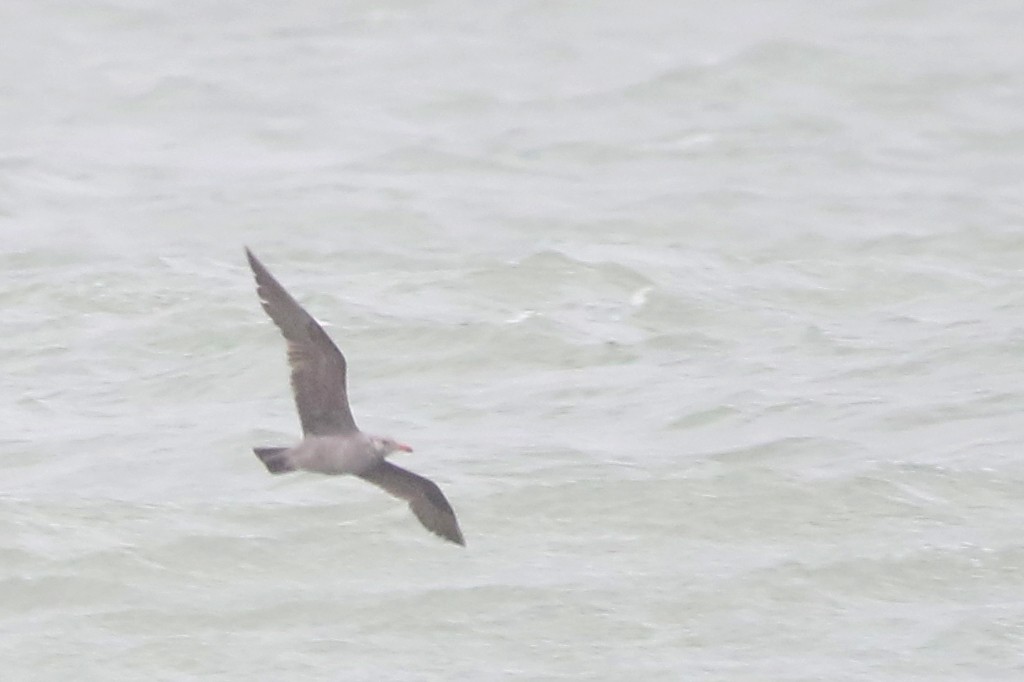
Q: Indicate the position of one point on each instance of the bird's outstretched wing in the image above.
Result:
(425, 499)
(318, 367)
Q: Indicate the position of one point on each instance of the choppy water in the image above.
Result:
(707, 316)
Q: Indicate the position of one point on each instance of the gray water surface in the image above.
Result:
(708, 317)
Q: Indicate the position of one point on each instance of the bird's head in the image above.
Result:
(384, 446)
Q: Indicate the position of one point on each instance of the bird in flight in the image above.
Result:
(332, 443)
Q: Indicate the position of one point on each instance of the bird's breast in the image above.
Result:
(336, 455)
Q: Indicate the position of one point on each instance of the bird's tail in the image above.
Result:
(275, 459)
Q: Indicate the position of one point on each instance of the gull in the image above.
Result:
(332, 443)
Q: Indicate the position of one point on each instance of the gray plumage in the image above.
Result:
(332, 443)
(318, 367)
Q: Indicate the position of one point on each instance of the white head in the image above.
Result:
(384, 446)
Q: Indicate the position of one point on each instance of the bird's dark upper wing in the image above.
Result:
(425, 499)
(318, 367)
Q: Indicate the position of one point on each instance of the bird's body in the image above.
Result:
(332, 443)
(334, 455)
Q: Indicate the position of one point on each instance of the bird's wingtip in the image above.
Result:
(254, 262)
